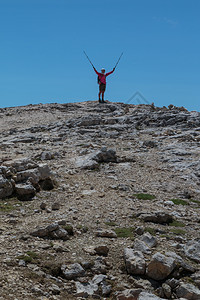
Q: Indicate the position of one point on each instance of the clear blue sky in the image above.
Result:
(42, 43)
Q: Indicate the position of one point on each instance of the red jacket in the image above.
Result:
(102, 77)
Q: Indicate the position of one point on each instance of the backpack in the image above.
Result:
(98, 80)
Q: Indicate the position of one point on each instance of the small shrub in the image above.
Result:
(142, 196)
(179, 201)
(124, 232)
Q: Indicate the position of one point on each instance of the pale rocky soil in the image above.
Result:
(92, 199)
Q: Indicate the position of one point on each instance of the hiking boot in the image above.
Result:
(100, 101)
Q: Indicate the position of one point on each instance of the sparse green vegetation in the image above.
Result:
(151, 230)
(28, 257)
(9, 204)
(32, 254)
(5, 207)
(69, 229)
(177, 231)
(177, 224)
(83, 228)
(111, 223)
(124, 232)
(142, 196)
(195, 201)
(179, 201)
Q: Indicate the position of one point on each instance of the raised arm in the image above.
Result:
(96, 71)
(110, 72)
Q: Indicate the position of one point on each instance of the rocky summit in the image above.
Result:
(99, 201)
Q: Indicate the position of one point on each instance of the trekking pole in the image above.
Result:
(89, 59)
(118, 60)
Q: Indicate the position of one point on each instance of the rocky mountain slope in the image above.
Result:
(99, 201)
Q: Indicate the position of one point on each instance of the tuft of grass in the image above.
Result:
(32, 254)
(177, 231)
(195, 201)
(69, 229)
(110, 223)
(179, 201)
(177, 224)
(142, 196)
(28, 257)
(83, 228)
(10, 204)
(6, 207)
(124, 232)
(150, 230)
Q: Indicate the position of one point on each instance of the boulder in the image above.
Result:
(93, 287)
(149, 240)
(129, 294)
(192, 250)
(145, 243)
(72, 271)
(92, 160)
(25, 191)
(106, 233)
(53, 231)
(101, 250)
(6, 187)
(141, 246)
(149, 296)
(160, 266)
(159, 217)
(55, 206)
(134, 261)
(188, 291)
(86, 289)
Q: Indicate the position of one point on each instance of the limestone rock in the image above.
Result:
(129, 294)
(85, 289)
(134, 261)
(101, 250)
(167, 290)
(6, 187)
(92, 160)
(141, 246)
(106, 233)
(188, 291)
(149, 296)
(72, 271)
(25, 191)
(53, 231)
(159, 217)
(160, 266)
(55, 206)
(149, 240)
(192, 250)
